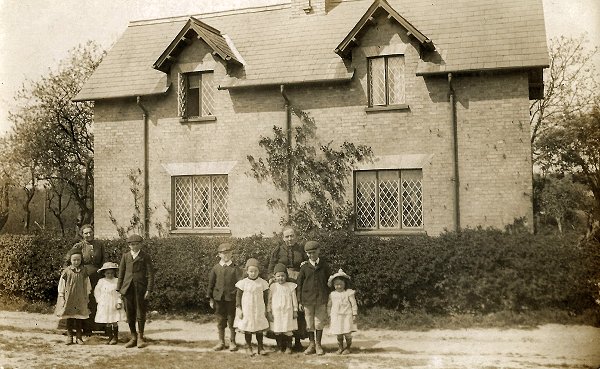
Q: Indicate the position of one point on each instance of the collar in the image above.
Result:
(135, 254)
(314, 263)
(225, 264)
(75, 269)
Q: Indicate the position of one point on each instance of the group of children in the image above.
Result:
(252, 306)
(249, 305)
(118, 299)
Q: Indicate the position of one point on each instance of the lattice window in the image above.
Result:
(389, 199)
(196, 95)
(386, 80)
(201, 202)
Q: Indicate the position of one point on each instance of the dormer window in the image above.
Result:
(386, 80)
(196, 95)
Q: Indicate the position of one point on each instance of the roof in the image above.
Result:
(278, 48)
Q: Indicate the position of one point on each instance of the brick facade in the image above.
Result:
(493, 139)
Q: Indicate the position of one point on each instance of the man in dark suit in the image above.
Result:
(136, 280)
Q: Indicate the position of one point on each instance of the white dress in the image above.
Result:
(253, 305)
(107, 297)
(342, 306)
(283, 303)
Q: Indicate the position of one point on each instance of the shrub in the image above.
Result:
(473, 272)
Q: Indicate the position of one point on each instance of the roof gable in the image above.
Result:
(196, 28)
(378, 6)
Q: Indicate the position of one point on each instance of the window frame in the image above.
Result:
(387, 105)
(183, 97)
(194, 229)
(401, 229)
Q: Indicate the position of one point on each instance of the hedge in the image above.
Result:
(476, 271)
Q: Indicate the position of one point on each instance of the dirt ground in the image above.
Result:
(32, 341)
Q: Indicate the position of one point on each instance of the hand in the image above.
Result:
(295, 314)
(300, 307)
(239, 313)
(118, 306)
(269, 316)
(211, 302)
(353, 318)
(147, 295)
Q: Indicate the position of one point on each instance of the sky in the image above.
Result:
(36, 34)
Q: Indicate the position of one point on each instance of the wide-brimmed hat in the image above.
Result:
(340, 274)
(311, 245)
(134, 238)
(252, 262)
(108, 265)
(224, 247)
(279, 267)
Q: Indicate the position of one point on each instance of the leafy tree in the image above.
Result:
(570, 85)
(52, 137)
(560, 197)
(320, 174)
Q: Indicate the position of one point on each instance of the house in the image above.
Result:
(439, 90)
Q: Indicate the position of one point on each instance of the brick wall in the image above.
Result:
(493, 140)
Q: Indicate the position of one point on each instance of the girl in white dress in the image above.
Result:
(110, 307)
(282, 309)
(251, 299)
(342, 310)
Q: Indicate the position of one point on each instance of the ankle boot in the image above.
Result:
(348, 344)
(221, 345)
(115, 335)
(318, 348)
(109, 331)
(261, 348)
(288, 344)
(232, 345)
(278, 339)
(141, 342)
(340, 340)
(311, 345)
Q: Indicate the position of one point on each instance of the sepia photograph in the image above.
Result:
(345, 184)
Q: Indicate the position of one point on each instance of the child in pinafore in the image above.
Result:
(251, 299)
(110, 306)
(73, 296)
(282, 308)
(342, 310)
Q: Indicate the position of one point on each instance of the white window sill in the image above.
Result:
(208, 118)
(219, 232)
(388, 233)
(387, 108)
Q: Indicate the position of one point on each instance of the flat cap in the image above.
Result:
(134, 238)
(311, 245)
(225, 247)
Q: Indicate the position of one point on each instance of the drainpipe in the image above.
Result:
(452, 95)
(146, 165)
(288, 130)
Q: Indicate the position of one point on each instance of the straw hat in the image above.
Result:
(108, 265)
(340, 274)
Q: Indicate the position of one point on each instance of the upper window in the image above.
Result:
(196, 95)
(389, 199)
(201, 202)
(386, 80)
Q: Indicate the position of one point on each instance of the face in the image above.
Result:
(135, 246)
(252, 272)
(225, 256)
(339, 284)
(280, 277)
(313, 254)
(289, 236)
(88, 234)
(109, 273)
(76, 260)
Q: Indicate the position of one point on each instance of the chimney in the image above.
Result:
(304, 8)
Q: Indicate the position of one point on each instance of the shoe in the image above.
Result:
(141, 342)
(131, 343)
(261, 350)
(319, 350)
(115, 337)
(69, 340)
(310, 349)
(219, 346)
(346, 351)
(233, 346)
(298, 346)
(249, 350)
(79, 341)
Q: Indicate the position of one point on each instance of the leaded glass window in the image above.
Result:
(386, 80)
(201, 202)
(196, 94)
(389, 199)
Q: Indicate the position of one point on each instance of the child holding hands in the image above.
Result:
(110, 306)
(282, 308)
(74, 289)
(342, 310)
(251, 301)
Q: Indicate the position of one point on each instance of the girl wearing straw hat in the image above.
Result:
(110, 306)
(342, 310)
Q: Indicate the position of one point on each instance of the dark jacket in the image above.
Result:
(312, 283)
(221, 282)
(139, 271)
(291, 259)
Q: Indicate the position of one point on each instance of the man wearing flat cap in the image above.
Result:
(136, 280)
